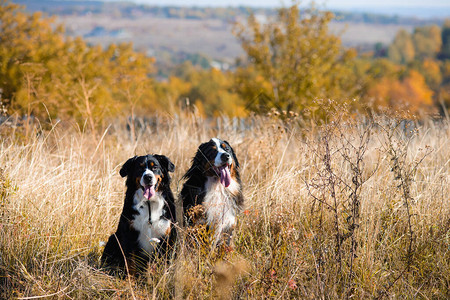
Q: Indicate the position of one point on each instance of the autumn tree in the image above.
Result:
(293, 60)
(46, 74)
(212, 92)
(431, 70)
(26, 44)
(394, 87)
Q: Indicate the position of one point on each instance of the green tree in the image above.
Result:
(427, 41)
(402, 49)
(292, 61)
(445, 36)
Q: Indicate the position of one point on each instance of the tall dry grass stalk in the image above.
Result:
(346, 210)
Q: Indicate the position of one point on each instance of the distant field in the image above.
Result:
(211, 37)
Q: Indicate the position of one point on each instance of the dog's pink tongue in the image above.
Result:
(225, 177)
(149, 191)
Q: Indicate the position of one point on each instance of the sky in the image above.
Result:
(417, 8)
(330, 3)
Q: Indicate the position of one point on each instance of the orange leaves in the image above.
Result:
(411, 93)
(416, 90)
(292, 284)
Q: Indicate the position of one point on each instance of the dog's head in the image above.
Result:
(150, 173)
(217, 159)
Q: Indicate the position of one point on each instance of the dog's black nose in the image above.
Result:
(225, 157)
(147, 178)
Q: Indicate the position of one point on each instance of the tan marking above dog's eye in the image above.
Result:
(214, 147)
(152, 164)
(223, 145)
(142, 164)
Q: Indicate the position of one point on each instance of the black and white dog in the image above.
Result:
(145, 225)
(213, 181)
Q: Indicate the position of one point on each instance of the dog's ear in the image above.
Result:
(165, 162)
(201, 155)
(234, 154)
(124, 171)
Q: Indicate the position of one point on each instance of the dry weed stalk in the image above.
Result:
(396, 136)
(340, 153)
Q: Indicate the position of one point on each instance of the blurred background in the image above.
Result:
(98, 60)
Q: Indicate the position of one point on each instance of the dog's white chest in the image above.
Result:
(219, 206)
(148, 223)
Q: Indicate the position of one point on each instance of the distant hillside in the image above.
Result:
(62, 7)
(202, 35)
(128, 10)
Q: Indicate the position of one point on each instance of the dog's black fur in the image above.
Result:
(136, 239)
(208, 180)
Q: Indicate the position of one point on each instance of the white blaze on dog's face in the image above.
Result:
(223, 162)
(222, 157)
(148, 182)
(217, 160)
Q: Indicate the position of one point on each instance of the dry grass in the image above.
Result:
(346, 210)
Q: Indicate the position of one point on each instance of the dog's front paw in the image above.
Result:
(155, 240)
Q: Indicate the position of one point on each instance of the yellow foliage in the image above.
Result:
(200, 108)
(431, 70)
(293, 61)
(48, 75)
(293, 64)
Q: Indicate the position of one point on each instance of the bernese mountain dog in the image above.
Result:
(213, 183)
(146, 224)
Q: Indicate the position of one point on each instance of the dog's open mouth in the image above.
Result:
(224, 173)
(149, 191)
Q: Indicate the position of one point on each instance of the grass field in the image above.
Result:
(352, 209)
